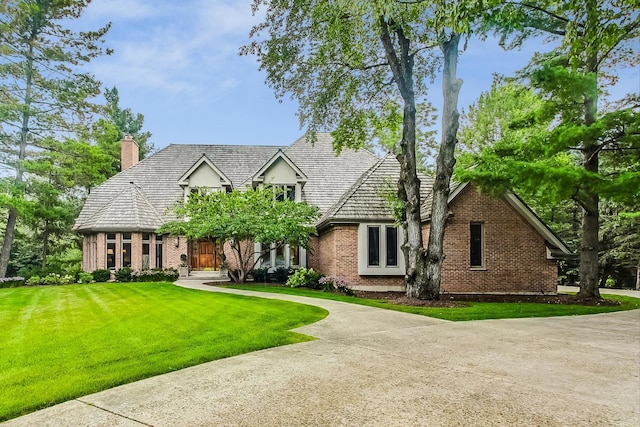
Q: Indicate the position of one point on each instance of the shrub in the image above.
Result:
(34, 281)
(260, 274)
(84, 277)
(51, 279)
(101, 275)
(11, 282)
(303, 277)
(282, 274)
(331, 284)
(155, 275)
(124, 274)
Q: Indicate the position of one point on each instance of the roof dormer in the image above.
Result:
(204, 174)
(279, 170)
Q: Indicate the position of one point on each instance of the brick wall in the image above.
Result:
(172, 252)
(514, 253)
(336, 255)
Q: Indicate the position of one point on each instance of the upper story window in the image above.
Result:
(284, 192)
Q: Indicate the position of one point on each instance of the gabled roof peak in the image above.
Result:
(184, 179)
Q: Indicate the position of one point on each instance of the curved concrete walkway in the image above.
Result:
(377, 367)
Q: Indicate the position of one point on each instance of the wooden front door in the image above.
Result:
(204, 256)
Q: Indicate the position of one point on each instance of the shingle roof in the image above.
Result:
(328, 175)
(365, 200)
(156, 179)
(130, 210)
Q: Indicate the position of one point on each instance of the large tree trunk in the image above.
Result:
(589, 198)
(401, 64)
(444, 166)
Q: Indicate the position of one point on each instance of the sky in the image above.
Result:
(177, 63)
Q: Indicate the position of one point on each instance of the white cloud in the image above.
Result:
(174, 48)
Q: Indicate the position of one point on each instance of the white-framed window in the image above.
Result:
(283, 256)
(111, 250)
(476, 245)
(284, 192)
(126, 250)
(379, 250)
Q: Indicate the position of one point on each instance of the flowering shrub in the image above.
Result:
(11, 282)
(308, 278)
(52, 279)
(331, 284)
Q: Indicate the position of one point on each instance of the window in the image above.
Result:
(285, 192)
(146, 237)
(111, 250)
(374, 246)
(294, 255)
(392, 246)
(379, 250)
(476, 245)
(158, 250)
(126, 250)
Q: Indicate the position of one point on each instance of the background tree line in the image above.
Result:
(56, 140)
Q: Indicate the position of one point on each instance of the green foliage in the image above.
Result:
(101, 276)
(107, 132)
(84, 277)
(45, 102)
(155, 275)
(240, 218)
(51, 279)
(303, 277)
(124, 275)
(260, 274)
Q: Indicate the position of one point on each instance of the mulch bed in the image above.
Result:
(455, 300)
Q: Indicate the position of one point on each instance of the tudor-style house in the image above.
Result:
(491, 244)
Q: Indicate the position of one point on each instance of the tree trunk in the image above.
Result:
(638, 277)
(444, 166)
(589, 199)
(401, 63)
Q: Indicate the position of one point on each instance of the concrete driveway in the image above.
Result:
(382, 368)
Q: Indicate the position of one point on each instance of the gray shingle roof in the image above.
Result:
(130, 210)
(365, 200)
(109, 207)
(329, 176)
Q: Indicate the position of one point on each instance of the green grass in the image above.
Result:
(62, 342)
(470, 311)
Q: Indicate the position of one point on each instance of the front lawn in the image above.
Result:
(469, 310)
(63, 342)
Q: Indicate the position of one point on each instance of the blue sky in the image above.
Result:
(178, 64)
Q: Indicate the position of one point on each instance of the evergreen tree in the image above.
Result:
(43, 96)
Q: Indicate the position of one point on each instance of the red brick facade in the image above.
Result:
(515, 258)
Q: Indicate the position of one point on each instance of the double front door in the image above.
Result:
(205, 256)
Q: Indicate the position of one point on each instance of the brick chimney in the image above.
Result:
(129, 152)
